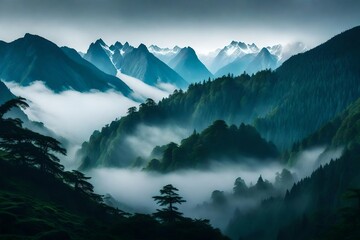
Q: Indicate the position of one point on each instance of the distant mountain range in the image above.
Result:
(135, 62)
(33, 58)
(97, 69)
(234, 58)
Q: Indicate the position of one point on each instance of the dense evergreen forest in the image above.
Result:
(285, 106)
(218, 142)
(321, 206)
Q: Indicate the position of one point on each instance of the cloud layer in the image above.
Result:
(70, 114)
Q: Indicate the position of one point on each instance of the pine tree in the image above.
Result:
(168, 198)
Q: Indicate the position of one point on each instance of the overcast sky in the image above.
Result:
(203, 24)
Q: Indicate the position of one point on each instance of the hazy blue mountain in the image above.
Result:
(142, 64)
(188, 65)
(98, 54)
(236, 67)
(34, 58)
(263, 60)
(231, 52)
(250, 63)
(164, 54)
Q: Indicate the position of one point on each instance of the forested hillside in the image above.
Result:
(285, 106)
(217, 143)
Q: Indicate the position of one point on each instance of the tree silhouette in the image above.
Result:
(47, 147)
(25, 146)
(9, 127)
(12, 135)
(7, 106)
(78, 180)
(168, 198)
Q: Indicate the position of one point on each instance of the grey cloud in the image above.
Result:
(201, 23)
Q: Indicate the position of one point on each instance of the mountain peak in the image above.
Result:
(264, 51)
(142, 47)
(155, 47)
(101, 42)
(242, 45)
(34, 37)
(118, 44)
(188, 50)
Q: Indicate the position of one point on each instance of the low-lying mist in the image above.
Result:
(71, 114)
(146, 137)
(134, 188)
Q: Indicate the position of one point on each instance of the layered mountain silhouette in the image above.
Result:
(188, 65)
(135, 62)
(250, 63)
(33, 58)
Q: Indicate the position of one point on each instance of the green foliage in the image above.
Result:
(342, 131)
(215, 143)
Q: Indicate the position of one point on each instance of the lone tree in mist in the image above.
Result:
(168, 198)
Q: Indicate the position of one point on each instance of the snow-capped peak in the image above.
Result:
(154, 49)
(164, 54)
(238, 49)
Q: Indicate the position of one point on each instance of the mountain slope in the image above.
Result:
(97, 55)
(237, 67)
(5, 93)
(250, 63)
(33, 58)
(343, 131)
(188, 65)
(141, 64)
(315, 86)
(263, 60)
